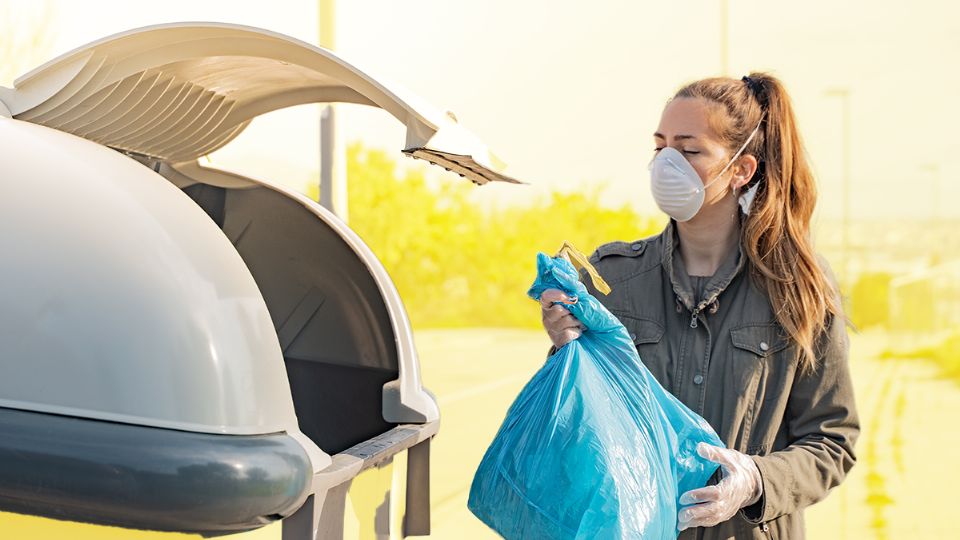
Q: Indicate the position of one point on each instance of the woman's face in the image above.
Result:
(684, 126)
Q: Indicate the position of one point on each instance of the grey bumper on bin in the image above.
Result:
(146, 478)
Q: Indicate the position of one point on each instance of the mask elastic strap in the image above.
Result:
(735, 156)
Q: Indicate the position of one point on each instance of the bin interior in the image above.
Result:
(332, 323)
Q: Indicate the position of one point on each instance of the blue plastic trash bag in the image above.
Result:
(593, 447)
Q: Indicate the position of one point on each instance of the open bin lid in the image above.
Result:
(175, 92)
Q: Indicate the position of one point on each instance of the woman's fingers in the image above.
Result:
(701, 515)
(549, 296)
(564, 336)
(561, 325)
(715, 454)
(704, 494)
(553, 314)
(559, 317)
(562, 321)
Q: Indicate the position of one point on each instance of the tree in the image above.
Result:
(456, 265)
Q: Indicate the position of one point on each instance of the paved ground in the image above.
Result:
(902, 486)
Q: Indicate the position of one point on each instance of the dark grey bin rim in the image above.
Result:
(150, 478)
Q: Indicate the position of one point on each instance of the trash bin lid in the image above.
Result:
(179, 91)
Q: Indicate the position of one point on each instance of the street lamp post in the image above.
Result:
(844, 95)
(333, 178)
(724, 38)
(934, 170)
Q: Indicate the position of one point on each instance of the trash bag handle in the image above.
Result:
(579, 261)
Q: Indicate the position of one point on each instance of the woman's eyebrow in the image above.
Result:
(659, 135)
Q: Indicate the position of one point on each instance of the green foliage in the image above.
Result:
(456, 265)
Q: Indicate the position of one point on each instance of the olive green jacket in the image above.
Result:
(728, 360)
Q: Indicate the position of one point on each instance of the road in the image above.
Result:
(901, 487)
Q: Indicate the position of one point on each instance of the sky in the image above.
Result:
(569, 93)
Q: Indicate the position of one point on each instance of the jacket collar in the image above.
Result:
(680, 280)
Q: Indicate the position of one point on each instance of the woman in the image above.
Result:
(734, 312)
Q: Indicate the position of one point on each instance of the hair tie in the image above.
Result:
(756, 88)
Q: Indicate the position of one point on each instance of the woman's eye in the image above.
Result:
(659, 148)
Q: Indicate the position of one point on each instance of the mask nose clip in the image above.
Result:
(674, 165)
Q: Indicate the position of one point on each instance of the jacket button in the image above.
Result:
(636, 246)
(633, 337)
(698, 379)
(764, 346)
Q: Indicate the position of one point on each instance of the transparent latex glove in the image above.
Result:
(740, 486)
(560, 324)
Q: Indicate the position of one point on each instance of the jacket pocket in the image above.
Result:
(647, 336)
(764, 346)
(642, 330)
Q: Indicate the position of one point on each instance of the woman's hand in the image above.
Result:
(560, 324)
(739, 487)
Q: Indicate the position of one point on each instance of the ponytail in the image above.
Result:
(776, 234)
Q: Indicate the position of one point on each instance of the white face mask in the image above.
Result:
(677, 187)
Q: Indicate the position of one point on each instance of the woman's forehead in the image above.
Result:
(686, 117)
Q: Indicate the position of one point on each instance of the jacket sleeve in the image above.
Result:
(823, 425)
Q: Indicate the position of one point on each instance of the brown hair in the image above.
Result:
(776, 233)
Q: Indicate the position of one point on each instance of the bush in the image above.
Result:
(456, 265)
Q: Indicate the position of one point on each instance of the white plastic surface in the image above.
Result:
(121, 300)
(405, 399)
(179, 91)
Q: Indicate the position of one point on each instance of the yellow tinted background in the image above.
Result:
(568, 94)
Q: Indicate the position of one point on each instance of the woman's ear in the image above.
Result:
(743, 170)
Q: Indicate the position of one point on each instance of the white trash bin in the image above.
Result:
(184, 348)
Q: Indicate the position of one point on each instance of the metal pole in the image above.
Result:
(724, 38)
(934, 170)
(844, 95)
(333, 180)
(846, 189)
(327, 136)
